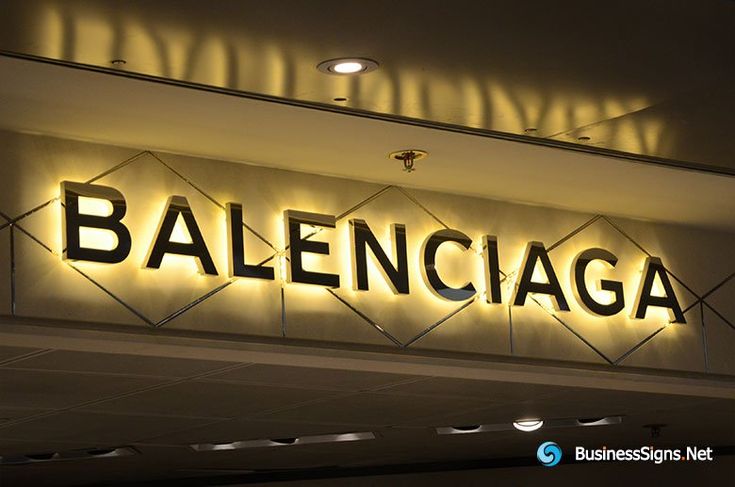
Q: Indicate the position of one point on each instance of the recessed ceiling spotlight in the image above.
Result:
(473, 427)
(590, 421)
(352, 65)
(284, 442)
(68, 455)
(118, 62)
(583, 138)
(528, 424)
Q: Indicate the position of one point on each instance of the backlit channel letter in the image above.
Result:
(363, 238)
(298, 245)
(652, 268)
(237, 265)
(162, 245)
(580, 289)
(73, 220)
(536, 252)
(428, 267)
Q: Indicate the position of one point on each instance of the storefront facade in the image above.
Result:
(233, 288)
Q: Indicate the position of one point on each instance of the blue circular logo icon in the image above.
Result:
(548, 454)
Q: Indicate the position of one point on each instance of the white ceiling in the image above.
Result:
(81, 104)
(648, 78)
(59, 400)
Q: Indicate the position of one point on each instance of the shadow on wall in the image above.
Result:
(233, 48)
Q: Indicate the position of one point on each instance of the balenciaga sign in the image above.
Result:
(108, 237)
(302, 231)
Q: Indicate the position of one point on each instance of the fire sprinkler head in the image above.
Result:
(408, 157)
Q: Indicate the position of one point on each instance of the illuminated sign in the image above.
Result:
(393, 264)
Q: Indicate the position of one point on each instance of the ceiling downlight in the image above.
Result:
(347, 66)
(528, 425)
(84, 454)
(284, 442)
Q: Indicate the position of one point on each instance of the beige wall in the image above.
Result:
(45, 286)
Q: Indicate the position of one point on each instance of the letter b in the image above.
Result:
(73, 220)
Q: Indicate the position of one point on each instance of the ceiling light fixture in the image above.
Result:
(468, 428)
(528, 425)
(284, 442)
(94, 453)
(343, 66)
(590, 421)
(471, 429)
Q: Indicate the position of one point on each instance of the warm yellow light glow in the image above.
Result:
(51, 36)
(92, 237)
(528, 425)
(282, 263)
(180, 233)
(212, 63)
(94, 206)
(539, 274)
(653, 313)
(657, 289)
(458, 266)
(595, 272)
(393, 311)
(545, 301)
(348, 67)
(377, 279)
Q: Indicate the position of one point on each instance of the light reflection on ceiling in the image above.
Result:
(626, 78)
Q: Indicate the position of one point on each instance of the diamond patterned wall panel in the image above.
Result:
(685, 342)
(612, 337)
(721, 299)
(6, 265)
(406, 315)
(538, 333)
(477, 328)
(250, 306)
(178, 297)
(514, 225)
(701, 258)
(314, 314)
(720, 329)
(47, 287)
(33, 166)
(266, 192)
